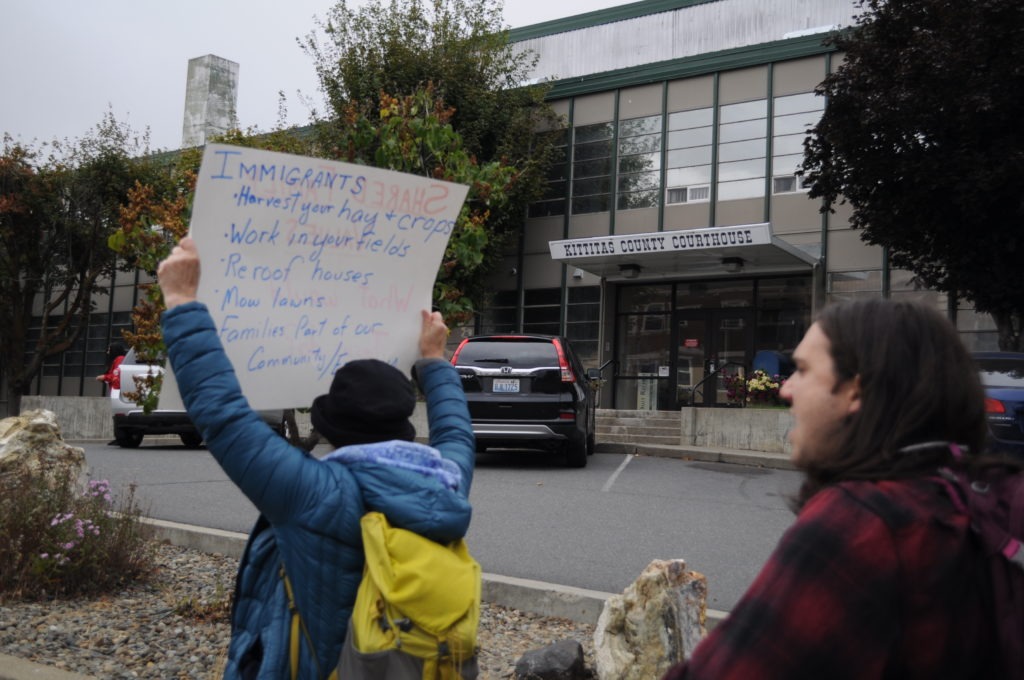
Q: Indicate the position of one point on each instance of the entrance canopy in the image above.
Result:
(748, 249)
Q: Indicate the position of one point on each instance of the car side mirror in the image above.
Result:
(593, 374)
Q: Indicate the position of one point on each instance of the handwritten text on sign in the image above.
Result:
(308, 264)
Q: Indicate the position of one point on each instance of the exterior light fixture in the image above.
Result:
(733, 265)
(629, 271)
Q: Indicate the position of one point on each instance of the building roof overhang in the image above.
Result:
(747, 250)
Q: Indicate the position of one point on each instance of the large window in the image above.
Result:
(742, 150)
(554, 200)
(583, 327)
(592, 168)
(793, 116)
(639, 162)
(688, 161)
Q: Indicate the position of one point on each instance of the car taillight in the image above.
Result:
(994, 406)
(115, 379)
(563, 364)
(567, 414)
(455, 356)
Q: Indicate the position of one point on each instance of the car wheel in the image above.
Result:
(127, 439)
(191, 440)
(591, 444)
(576, 453)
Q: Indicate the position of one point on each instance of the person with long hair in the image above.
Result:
(880, 575)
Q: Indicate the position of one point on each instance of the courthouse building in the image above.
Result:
(676, 240)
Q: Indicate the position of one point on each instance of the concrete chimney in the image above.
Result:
(211, 99)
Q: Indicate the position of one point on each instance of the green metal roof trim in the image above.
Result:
(598, 17)
(725, 60)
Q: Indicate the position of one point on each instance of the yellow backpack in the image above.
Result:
(416, 612)
(418, 598)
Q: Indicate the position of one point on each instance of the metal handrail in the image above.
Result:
(719, 369)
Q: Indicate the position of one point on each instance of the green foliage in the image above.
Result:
(59, 202)
(459, 51)
(922, 137)
(412, 134)
(57, 543)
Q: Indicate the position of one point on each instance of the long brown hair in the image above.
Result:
(917, 384)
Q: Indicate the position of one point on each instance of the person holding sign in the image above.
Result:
(310, 509)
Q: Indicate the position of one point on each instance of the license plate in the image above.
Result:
(505, 385)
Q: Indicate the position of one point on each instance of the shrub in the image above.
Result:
(55, 542)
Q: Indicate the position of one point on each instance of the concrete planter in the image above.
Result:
(747, 429)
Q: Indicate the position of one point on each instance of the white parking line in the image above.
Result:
(615, 475)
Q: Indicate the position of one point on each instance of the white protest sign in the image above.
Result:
(308, 264)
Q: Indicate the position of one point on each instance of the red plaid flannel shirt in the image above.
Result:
(873, 580)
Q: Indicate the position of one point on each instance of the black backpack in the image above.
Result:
(994, 502)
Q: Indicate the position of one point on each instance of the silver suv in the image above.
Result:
(132, 423)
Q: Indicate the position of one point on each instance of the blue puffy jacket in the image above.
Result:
(310, 509)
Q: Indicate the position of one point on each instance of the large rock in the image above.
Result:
(32, 444)
(654, 624)
(562, 660)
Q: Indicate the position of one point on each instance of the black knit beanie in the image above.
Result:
(369, 401)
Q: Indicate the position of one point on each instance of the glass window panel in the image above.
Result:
(715, 294)
(797, 123)
(595, 168)
(641, 144)
(737, 151)
(590, 133)
(583, 294)
(640, 181)
(750, 129)
(555, 190)
(750, 188)
(542, 296)
(638, 199)
(788, 144)
(591, 204)
(639, 126)
(688, 119)
(787, 165)
(585, 312)
(739, 170)
(587, 187)
(584, 152)
(684, 177)
(547, 208)
(847, 282)
(698, 155)
(535, 315)
(645, 298)
(730, 113)
(680, 139)
(640, 162)
(795, 103)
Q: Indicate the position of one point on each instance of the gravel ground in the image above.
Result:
(175, 626)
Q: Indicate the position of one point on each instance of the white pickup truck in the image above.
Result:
(132, 423)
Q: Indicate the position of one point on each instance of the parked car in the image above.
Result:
(1002, 374)
(132, 423)
(528, 391)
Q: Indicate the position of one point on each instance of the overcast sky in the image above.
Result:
(65, 63)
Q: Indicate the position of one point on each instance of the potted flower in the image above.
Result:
(762, 390)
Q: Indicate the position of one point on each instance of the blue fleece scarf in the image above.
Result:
(420, 458)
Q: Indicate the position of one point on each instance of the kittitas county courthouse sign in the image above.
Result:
(751, 248)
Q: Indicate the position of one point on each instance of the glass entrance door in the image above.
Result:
(710, 345)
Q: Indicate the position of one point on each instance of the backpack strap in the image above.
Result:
(295, 640)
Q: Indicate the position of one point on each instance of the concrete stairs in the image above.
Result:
(638, 428)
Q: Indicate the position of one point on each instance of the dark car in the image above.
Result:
(1002, 374)
(528, 391)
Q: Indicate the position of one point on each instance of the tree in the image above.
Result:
(459, 50)
(56, 212)
(922, 136)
